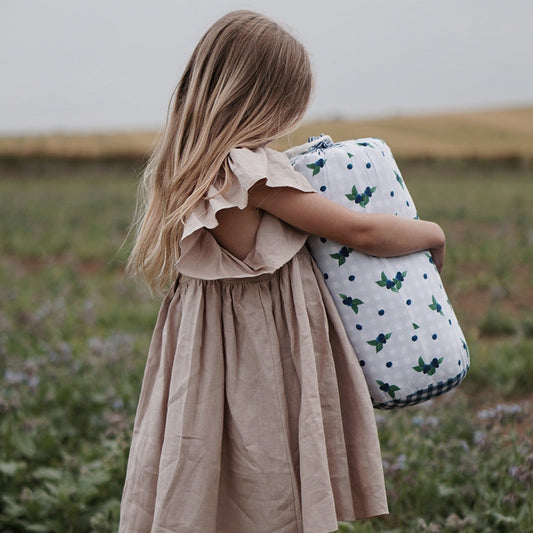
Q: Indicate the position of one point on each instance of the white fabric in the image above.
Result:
(395, 310)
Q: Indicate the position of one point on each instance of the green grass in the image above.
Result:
(74, 334)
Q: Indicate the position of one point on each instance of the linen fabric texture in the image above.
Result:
(395, 310)
(254, 414)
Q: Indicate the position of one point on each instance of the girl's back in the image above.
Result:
(237, 229)
(254, 414)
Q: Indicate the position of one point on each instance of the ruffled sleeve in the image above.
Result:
(276, 242)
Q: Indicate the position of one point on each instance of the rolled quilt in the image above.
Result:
(395, 310)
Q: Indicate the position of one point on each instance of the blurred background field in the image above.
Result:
(74, 331)
(495, 134)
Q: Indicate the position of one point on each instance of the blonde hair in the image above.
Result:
(248, 82)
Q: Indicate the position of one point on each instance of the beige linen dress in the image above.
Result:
(254, 416)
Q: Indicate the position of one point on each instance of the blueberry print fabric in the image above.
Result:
(395, 310)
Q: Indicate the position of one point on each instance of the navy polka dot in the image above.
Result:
(349, 166)
(414, 338)
(459, 362)
(362, 363)
(407, 204)
(408, 302)
(381, 312)
(359, 327)
(368, 165)
(392, 193)
(388, 364)
(425, 276)
(351, 278)
(434, 336)
(450, 321)
(323, 188)
(322, 239)
(326, 275)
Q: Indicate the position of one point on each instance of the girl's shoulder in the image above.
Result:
(202, 256)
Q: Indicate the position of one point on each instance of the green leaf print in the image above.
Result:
(389, 389)
(353, 194)
(380, 341)
(353, 303)
(435, 306)
(399, 179)
(342, 254)
(394, 284)
(361, 198)
(428, 368)
(316, 166)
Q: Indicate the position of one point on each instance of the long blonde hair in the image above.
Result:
(248, 81)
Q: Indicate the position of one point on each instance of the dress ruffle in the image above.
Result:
(276, 243)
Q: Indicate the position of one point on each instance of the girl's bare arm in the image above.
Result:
(382, 235)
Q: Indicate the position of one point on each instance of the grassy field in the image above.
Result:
(74, 334)
(506, 133)
(484, 134)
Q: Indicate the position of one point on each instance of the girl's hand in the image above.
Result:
(438, 254)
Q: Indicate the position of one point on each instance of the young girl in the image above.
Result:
(254, 415)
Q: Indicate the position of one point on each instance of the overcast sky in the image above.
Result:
(93, 65)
